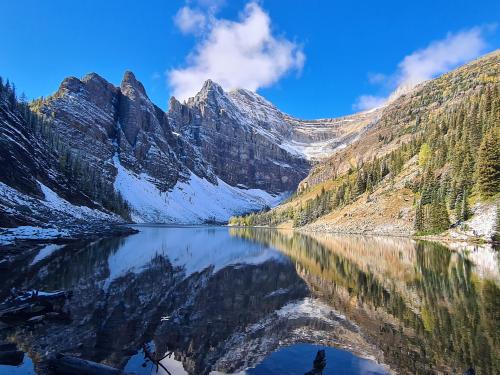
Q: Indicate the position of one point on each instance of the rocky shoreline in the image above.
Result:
(25, 237)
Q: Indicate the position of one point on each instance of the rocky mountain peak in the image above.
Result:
(70, 84)
(130, 84)
(210, 92)
(94, 78)
(210, 85)
(174, 104)
(92, 87)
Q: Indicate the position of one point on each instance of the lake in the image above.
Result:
(262, 301)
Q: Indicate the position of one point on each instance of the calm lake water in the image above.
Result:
(259, 301)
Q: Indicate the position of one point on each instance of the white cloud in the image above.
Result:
(237, 54)
(437, 58)
(366, 102)
(441, 56)
(190, 20)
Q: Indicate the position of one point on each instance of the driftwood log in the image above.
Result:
(152, 357)
(26, 305)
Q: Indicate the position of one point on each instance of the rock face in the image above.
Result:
(248, 141)
(240, 151)
(31, 180)
(99, 121)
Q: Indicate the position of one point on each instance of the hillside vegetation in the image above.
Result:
(432, 157)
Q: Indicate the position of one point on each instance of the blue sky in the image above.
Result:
(311, 58)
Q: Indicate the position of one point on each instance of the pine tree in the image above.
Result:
(488, 166)
(419, 218)
(462, 211)
(439, 219)
(465, 211)
(496, 235)
(457, 204)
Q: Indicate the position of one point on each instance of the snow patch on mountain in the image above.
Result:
(192, 202)
(312, 150)
(55, 202)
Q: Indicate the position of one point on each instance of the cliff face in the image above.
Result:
(99, 121)
(248, 141)
(240, 151)
(34, 190)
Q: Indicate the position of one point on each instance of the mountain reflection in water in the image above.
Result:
(224, 299)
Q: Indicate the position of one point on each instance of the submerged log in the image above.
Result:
(24, 305)
(39, 295)
(69, 365)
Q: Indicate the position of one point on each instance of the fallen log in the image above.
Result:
(11, 357)
(24, 305)
(39, 295)
(69, 365)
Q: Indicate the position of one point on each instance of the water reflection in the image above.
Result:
(224, 299)
(421, 303)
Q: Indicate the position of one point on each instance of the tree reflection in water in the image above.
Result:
(424, 305)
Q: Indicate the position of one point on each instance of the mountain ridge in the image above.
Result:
(146, 165)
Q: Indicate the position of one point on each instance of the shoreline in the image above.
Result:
(66, 235)
(15, 239)
(471, 241)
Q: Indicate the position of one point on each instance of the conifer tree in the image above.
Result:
(496, 234)
(465, 211)
(488, 166)
(439, 219)
(419, 218)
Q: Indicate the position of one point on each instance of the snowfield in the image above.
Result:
(193, 202)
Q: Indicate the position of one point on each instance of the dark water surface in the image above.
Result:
(259, 301)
